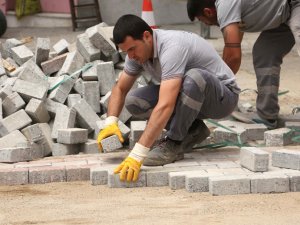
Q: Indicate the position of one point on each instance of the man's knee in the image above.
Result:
(194, 83)
(138, 107)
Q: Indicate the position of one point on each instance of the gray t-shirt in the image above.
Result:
(176, 52)
(253, 15)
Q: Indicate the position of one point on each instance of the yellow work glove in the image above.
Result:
(130, 168)
(111, 128)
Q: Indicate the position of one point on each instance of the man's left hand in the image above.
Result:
(130, 168)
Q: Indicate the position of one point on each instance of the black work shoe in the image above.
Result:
(165, 152)
(198, 132)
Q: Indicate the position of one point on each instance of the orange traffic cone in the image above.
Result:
(147, 13)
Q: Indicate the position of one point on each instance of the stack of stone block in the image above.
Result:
(53, 100)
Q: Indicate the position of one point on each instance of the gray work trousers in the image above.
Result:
(268, 52)
(202, 96)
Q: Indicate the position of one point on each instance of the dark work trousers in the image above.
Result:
(268, 52)
(202, 96)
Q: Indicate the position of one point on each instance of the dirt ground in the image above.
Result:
(82, 203)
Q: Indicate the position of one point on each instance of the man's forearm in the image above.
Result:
(156, 124)
(116, 102)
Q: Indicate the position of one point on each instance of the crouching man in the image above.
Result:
(194, 84)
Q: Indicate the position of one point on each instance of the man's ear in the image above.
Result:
(209, 12)
(147, 35)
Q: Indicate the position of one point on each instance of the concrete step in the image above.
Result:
(39, 20)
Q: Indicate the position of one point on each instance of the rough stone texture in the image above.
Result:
(86, 117)
(229, 185)
(33, 133)
(77, 173)
(78, 86)
(65, 118)
(289, 159)
(2, 69)
(15, 121)
(1, 110)
(91, 73)
(222, 134)
(269, 183)
(12, 103)
(42, 50)
(254, 159)
(90, 147)
(29, 90)
(46, 142)
(91, 94)
(8, 45)
(111, 143)
(42, 175)
(73, 62)
(114, 181)
(5, 91)
(52, 106)
(14, 176)
(14, 139)
(64, 149)
(87, 49)
(106, 77)
(137, 128)
(32, 73)
(176, 180)
(15, 154)
(72, 136)
(73, 99)
(294, 182)
(53, 65)
(21, 54)
(196, 182)
(278, 137)
(98, 176)
(61, 46)
(36, 109)
(158, 178)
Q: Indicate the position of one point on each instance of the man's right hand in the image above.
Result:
(110, 129)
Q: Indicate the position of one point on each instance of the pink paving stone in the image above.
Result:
(30, 165)
(6, 165)
(42, 175)
(70, 163)
(13, 176)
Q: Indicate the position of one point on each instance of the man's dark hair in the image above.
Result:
(196, 7)
(130, 25)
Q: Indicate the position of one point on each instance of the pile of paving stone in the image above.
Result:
(54, 103)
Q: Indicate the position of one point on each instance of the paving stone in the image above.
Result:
(73, 99)
(13, 176)
(90, 147)
(91, 73)
(177, 180)
(46, 142)
(158, 178)
(221, 134)
(29, 90)
(5, 91)
(99, 176)
(33, 133)
(86, 117)
(254, 159)
(87, 49)
(1, 110)
(137, 128)
(64, 149)
(125, 131)
(42, 50)
(12, 103)
(106, 77)
(91, 94)
(15, 121)
(269, 183)
(14, 139)
(196, 182)
(294, 181)
(61, 46)
(77, 173)
(32, 73)
(72, 136)
(8, 45)
(36, 109)
(114, 181)
(53, 65)
(73, 62)
(278, 137)
(111, 143)
(229, 185)
(52, 106)
(289, 159)
(65, 118)
(21, 54)
(15, 154)
(2, 69)
(78, 86)
(42, 175)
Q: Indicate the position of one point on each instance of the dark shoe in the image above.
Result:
(165, 152)
(197, 133)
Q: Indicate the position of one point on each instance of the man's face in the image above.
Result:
(139, 50)
(209, 17)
